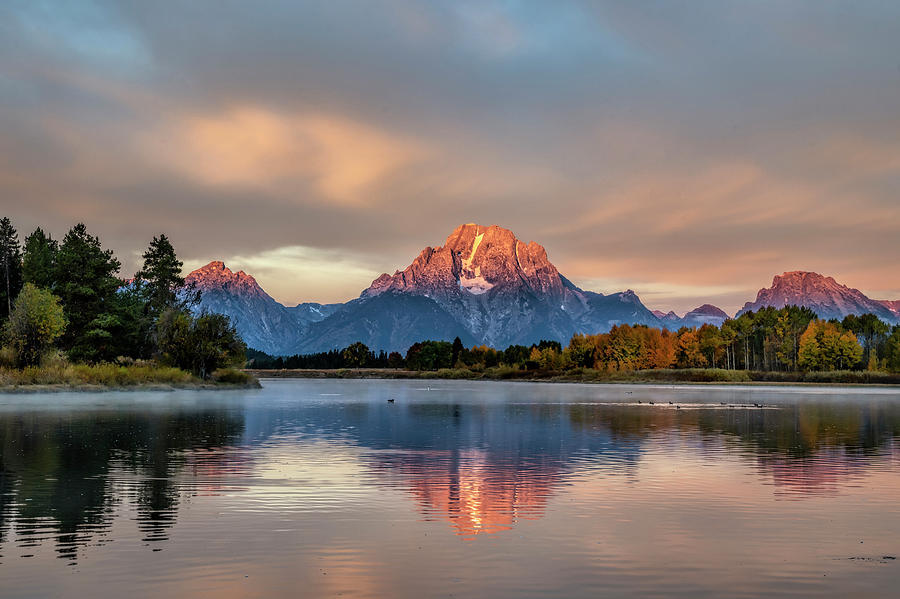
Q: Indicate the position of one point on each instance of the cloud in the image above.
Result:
(666, 147)
(258, 148)
(296, 274)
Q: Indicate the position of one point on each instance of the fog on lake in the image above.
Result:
(456, 488)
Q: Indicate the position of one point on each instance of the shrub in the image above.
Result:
(201, 344)
(35, 322)
(7, 357)
(231, 376)
(455, 373)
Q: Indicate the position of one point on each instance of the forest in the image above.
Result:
(790, 339)
(67, 316)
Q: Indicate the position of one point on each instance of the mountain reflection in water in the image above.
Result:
(481, 461)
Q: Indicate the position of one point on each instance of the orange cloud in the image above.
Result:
(251, 146)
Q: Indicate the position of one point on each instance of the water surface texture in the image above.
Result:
(456, 489)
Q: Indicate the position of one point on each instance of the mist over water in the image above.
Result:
(456, 488)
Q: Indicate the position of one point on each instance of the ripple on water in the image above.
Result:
(470, 488)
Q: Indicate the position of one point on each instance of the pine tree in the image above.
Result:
(456, 351)
(86, 282)
(161, 280)
(39, 259)
(10, 267)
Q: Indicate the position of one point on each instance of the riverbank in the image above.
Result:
(673, 376)
(113, 377)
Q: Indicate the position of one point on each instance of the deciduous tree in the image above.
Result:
(36, 321)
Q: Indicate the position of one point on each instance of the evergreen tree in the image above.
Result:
(456, 351)
(10, 267)
(86, 283)
(39, 259)
(160, 278)
(892, 350)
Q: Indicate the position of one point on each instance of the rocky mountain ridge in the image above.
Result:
(262, 322)
(504, 291)
(487, 287)
(822, 294)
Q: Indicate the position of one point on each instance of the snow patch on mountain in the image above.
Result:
(471, 278)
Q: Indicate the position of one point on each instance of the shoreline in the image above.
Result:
(97, 388)
(629, 378)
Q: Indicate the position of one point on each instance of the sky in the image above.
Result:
(686, 150)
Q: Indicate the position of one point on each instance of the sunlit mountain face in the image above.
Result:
(485, 286)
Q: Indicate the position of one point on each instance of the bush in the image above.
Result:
(35, 322)
(7, 357)
(231, 376)
(455, 373)
(58, 372)
(850, 377)
(201, 344)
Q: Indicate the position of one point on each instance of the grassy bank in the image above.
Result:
(115, 376)
(587, 375)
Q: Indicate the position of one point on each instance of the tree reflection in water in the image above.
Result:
(62, 477)
(481, 466)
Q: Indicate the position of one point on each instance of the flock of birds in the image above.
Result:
(721, 403)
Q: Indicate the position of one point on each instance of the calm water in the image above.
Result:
(323, 488)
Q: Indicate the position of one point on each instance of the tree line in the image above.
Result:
(790, 339)
(67, 297)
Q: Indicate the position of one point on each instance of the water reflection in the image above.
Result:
(803, 448)
(480, 463)
(65, 477)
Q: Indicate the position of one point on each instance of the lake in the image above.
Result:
(323, 488)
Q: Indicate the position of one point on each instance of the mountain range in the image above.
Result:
(487, 287)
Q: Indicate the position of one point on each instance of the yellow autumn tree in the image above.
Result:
(827, 346)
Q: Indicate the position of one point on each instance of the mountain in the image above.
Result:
(666, 317)
(504, 291)
(391, 321)
(483, 285)
(893, 306)
(262, 322)
(487, 287)
(705, 314)
(823, 295)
